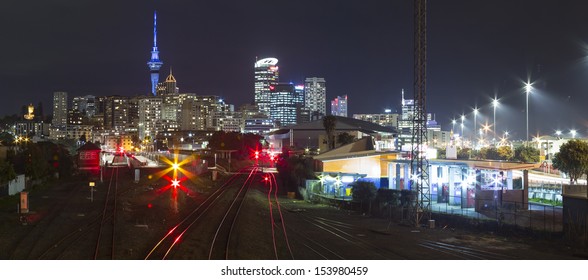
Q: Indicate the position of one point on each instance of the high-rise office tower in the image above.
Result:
(266, 76)
(150, 117)
(387, 119)
(283, 104)
(170, 86)
(339, 106)
(116, 113)
(405, 122)
(315, 95)
(85, 104)
(154, 64)
(59, 109)
(299, 95)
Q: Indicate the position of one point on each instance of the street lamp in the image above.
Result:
(528, 89)
(462, 119)
(573, 132)
(453, 125)
(558, 133)
(495, 104)
(475, 117)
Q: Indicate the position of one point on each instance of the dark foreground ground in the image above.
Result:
(315, 231)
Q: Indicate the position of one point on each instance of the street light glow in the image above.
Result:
(528, 89)
(475, 124)
(494, 104)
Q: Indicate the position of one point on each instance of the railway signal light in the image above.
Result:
(175, 183)
(256, 154)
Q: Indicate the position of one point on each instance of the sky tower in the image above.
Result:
(154, 64)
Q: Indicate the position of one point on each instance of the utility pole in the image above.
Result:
(419, 165)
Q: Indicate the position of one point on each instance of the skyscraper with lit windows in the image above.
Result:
(315, 95)
(339, 106)
(266, 76)
(59, 109)
(283, 104)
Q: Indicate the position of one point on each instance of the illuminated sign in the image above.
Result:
(347, 179)
(265, 62)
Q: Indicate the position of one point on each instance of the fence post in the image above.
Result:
(530, 217)
(515, 214)
(496, 213)
(544, 222)
(553, 219)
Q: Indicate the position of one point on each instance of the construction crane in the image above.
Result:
(419, 165)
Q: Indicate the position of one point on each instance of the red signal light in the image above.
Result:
(149, 205)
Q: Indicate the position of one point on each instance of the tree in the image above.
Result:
(345, 138)
(243, 143)
(505, 153)
(39, 114)
(293, 170)
(489, 153)
(6, 139)
(7, 172)
(330, 122)
(442, 153)
(463, 153)
(135, 139)
(363, 191)
(526, 154)
(83, 139)
(572, 159)
(36, 164)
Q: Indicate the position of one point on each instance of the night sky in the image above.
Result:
(476, 50)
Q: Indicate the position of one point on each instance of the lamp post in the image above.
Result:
(528, 89)
(558, 133)
(475, 123)
(573, 132)
(453, 125)
(462, 119)
(495, 104)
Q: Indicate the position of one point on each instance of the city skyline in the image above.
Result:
(476, 52)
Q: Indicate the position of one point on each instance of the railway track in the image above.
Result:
(95, 238)
(463, 252)
(26, 246)
(168, 246)
(277, 222)
(105, 241)
(220, 246)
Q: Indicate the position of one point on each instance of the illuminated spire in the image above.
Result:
(155, 63)
(171, 77)
(155, 31)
